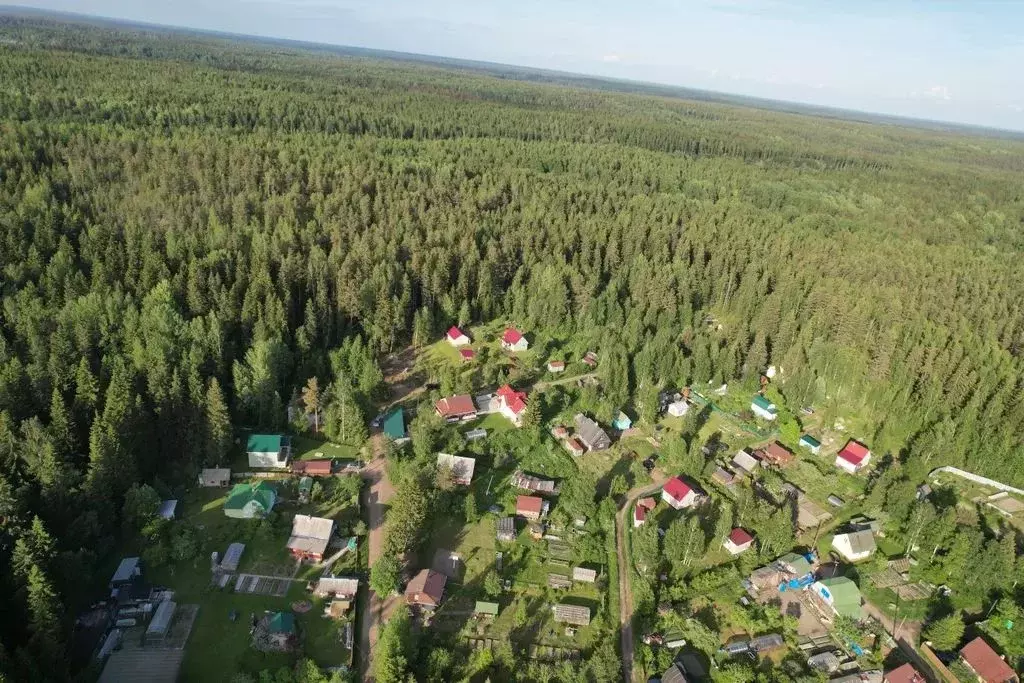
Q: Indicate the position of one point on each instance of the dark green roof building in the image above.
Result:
(250, 500)
(394, 424)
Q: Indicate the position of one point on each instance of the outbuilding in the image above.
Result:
(738, 541)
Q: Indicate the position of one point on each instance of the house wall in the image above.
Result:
(266, 460)
(845, 465)
(761, 413)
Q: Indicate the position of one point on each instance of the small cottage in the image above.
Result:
(269, 451)
(810, 443)
(854, 457)
(763, 408)
(678, 493)
(250, 500)
(513, 340)
(738, 541)
(456, 337)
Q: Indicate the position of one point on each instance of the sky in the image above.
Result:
(942, 60)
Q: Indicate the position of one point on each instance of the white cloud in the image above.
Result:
(936, 92)
(611, 59)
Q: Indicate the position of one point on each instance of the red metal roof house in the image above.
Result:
(314, 468)
(678, 493)
(513, 340)
(530, 507)
(854, 457)
(456, 337)
(904, 674)
(986, 664)
(738, 541)
(426, 589)
(456, 408)
(512, 404)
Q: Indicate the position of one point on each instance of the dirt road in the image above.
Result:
(377, 495)
(622, 518)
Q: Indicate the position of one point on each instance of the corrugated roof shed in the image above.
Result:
(572, 614)
(232, 557)
(162, 618)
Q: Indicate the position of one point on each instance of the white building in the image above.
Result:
(678, 408)
(764, 408)
(456, 337)
(678, 493)
(855, 546)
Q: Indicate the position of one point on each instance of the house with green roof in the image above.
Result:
(280, 629)
(810, 443)
(839, 594)
(795, 564)
(394, 425)
(764, 408)
(269, 451)
(250, 500)
(486, 609)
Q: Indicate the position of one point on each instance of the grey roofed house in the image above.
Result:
(507, 529)
(126, 572)
(167, 509)
(161, 618)
(232, 557)
(339, 586)
(745, 461)
(572, 614)
(217, 476)
(530, 483)
(584, 574)
(591, 434)
(461, 467)
(724, 476)
(674, 674)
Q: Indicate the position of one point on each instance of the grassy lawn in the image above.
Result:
(306, 448)
(219, 647)
(494, 423)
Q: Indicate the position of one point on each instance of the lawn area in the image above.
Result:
(307, 448)
(220, 647)
(494, 423)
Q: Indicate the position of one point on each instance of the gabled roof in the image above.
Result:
(394, 424)
(511, 336)
(854, 452)
(860, 541)
(648, 503)
(745, 461)
(904, 674)
(798, 563)
(810, 440)
(264, 443)
(242, 494)
(310, 534)
(125, 570)
(167, 509)
(590, 432)
(455, 333)
(985, 662)
(763, 403)
(515, 400)
(282, 622)
(776, 453)
(677, 488)
(740, 537)
(572, 614)
(462, 404)
(556, 363)
(490, 608)
(531, 504)
(584, 574)
(639, 513)
(462, 468)
(467, 354)
(429, 583)
(845, 595)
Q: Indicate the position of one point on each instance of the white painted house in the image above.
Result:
(456, 337)
(678, 493)
(854, 457)
(678, 408)
(855, 546)
(738, 541)
(513, 340)
(764, 408)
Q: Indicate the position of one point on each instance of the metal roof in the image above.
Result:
(162, 618)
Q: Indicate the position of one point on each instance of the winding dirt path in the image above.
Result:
(379, 493)
(622, 518)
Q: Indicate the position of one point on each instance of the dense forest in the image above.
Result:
(189, 227)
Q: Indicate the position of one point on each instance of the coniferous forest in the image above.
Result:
(190, 226)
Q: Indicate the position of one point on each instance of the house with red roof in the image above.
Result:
(513, 340)
(467, 355)
(854, 457)
(640, 510)
(555, 366)
(738, 541)
(678, 493)
(426, 589)
(904, 674)
(314, 468)
(456, 408)
(456, 337)
(775, 454)
(512, 404)
(986, 664)
(531, 507)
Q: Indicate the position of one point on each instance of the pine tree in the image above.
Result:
(62, 426)
(945, 634)
(390, 659)
(217, 425)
